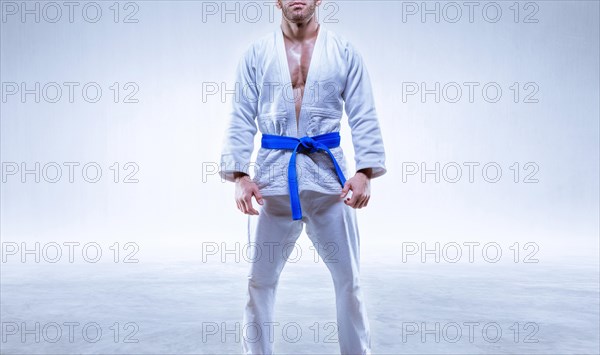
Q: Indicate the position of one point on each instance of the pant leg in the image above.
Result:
(271, 236)
(332, 227)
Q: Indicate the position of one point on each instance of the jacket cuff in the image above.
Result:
(377, 168)
(230, 165)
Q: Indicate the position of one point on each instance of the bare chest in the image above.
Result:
(298, 57)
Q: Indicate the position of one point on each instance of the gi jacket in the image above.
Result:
(264, 100)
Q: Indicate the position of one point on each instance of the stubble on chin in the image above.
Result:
(299, 16)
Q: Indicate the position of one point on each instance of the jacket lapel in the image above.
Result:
(310, 89)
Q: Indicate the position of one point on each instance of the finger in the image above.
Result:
(250, 207)
(354, 199)
(350, 194)
(345, 189)
(258, 197)
(243, 207)
(360, 202)
(363, 203)
(367, 201)
(240, 203)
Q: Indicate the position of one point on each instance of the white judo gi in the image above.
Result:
(337, 80)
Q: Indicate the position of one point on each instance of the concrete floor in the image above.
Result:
(196, 308)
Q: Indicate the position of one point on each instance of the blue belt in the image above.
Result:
(305, 145)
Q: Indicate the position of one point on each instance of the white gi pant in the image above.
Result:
(328, 220)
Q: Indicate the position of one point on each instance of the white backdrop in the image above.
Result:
(166, 55)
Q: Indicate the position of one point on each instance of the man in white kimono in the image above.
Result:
(292, 86)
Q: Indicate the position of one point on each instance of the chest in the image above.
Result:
(299, 57)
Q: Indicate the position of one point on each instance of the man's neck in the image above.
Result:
(300, 31)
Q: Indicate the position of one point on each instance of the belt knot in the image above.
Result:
(307, 145)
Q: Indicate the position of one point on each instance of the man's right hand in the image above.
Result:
(245, 188)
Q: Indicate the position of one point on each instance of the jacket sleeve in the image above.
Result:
(238, 142)
(362, 116)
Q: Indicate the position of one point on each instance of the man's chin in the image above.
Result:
(297, 16)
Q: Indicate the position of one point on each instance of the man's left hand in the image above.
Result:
(360, 184)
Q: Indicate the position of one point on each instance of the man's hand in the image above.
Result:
(360, 184)
(245, 188)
